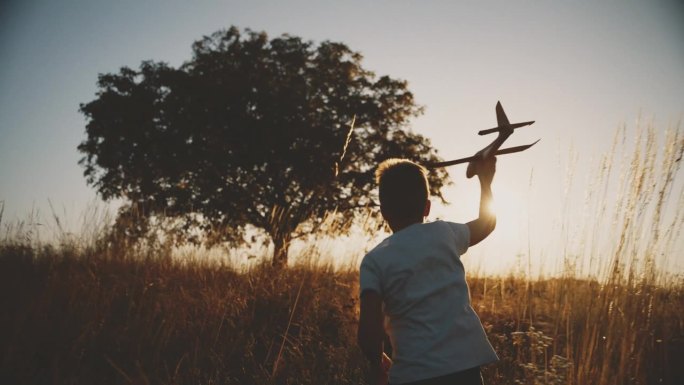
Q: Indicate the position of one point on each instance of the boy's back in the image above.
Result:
(418, 273)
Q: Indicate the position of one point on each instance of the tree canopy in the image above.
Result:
(248, 132)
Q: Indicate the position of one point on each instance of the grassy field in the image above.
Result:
(90, 311)
(101, 317)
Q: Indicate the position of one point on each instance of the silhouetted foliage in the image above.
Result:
(247, 132)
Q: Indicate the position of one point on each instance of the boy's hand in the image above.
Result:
(485, 168)
(385, 366)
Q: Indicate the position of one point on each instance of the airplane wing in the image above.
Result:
(501, 118)
(497, 129)
(502, 151)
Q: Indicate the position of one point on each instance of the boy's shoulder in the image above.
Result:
(414, 233)
(419, 233)
(377, 251)
(428, 231)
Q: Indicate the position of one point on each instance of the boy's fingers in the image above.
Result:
(483, 164)
(490, 161)
(386, 362)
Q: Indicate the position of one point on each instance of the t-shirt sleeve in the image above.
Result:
(462, 236)
(369, 277)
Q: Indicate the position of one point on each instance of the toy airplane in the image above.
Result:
(505, 129)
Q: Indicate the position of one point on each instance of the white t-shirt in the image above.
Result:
(419, 275)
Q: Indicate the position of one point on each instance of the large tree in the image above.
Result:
(249, 131)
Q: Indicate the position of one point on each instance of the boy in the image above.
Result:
(416, 280)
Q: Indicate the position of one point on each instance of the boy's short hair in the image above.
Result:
(404, 188)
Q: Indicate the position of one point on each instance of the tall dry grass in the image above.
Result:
(113, 319)
(86, 310)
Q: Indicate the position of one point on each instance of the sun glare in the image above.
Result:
(508, 210)
(509, 238)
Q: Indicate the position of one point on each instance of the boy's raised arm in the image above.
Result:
(481, 227)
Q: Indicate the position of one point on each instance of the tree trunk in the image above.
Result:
(281, 244)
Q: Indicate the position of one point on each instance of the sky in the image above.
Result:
(580, 69)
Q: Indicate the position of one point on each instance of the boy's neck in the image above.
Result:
(396, 226)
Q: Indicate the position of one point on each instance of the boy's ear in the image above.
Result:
(426, 210)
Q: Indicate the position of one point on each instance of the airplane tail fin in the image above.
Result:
(501, 118)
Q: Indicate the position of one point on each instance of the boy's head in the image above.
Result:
(404, 192)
